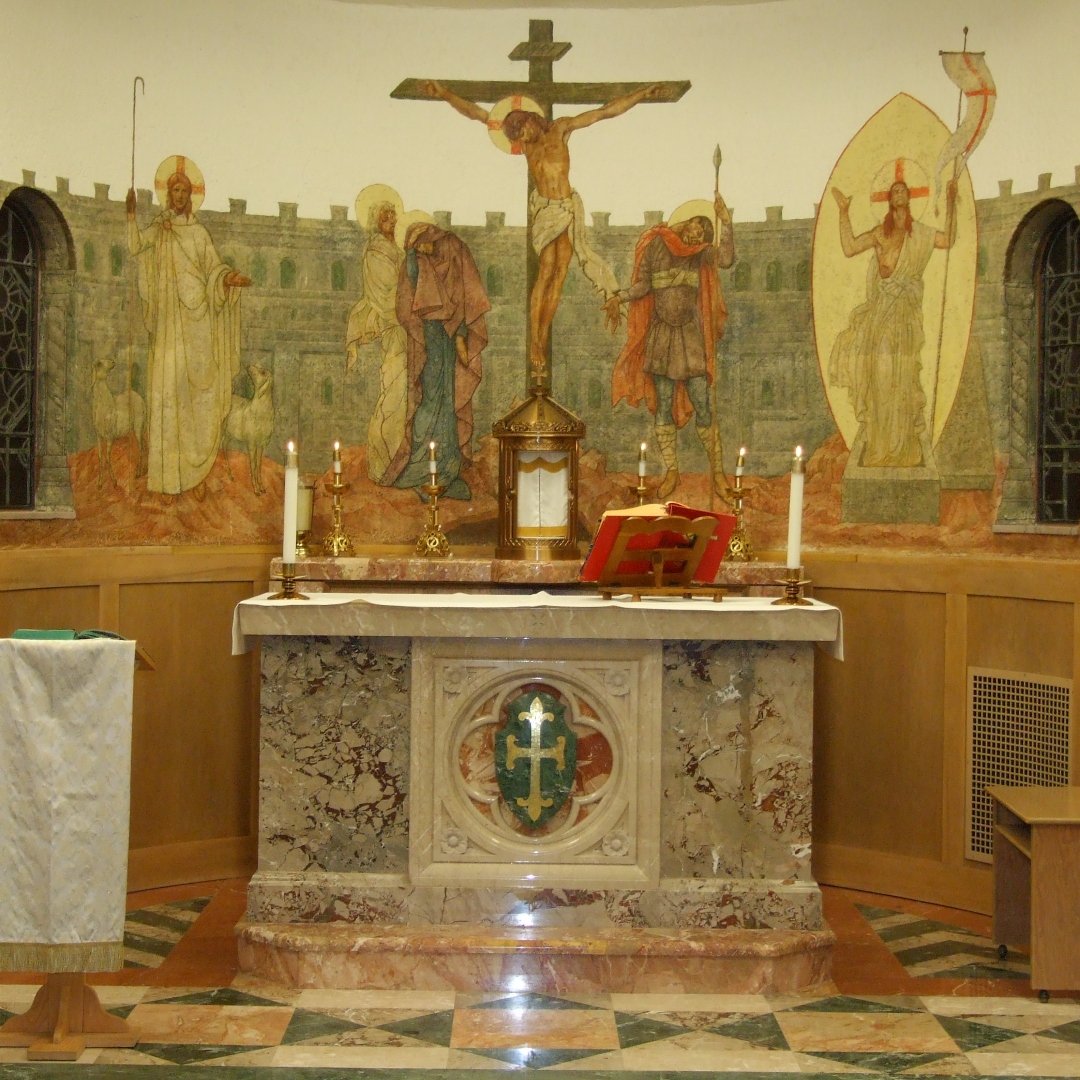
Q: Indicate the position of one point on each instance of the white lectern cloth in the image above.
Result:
(65, 785)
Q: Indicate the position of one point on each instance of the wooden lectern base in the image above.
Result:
(65, 1018)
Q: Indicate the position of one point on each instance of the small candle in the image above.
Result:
(740, 461)
(641, 459)
(432, 464)
(292, 479)
(794, 526)
(337, 458)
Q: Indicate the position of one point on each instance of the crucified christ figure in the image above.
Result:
(556, 214)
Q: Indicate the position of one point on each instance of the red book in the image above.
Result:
(611, 524)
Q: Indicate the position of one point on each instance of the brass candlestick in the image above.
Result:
(337, 541)
(641, 490)
(793, 583)
(739, 547)
(432, 542)
(288, 589)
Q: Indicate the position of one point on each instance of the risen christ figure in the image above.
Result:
(879, 356)
(556, 213)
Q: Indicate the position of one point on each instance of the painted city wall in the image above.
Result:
(191, 344)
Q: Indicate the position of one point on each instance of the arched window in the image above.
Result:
(1059, 374)
(774, 276)
(258, 269)
(802, 276)
(116, 260)
(740, 276)
(19, 278)
(337, 276)
(288, 274)
(494, 281)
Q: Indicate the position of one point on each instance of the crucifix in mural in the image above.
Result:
(521, 121)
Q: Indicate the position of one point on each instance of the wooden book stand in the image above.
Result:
(657, 557)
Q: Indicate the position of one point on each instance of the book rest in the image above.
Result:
(658, 557)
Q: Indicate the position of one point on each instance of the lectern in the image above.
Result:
(65, 768)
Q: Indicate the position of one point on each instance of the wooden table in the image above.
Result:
(1037, 880)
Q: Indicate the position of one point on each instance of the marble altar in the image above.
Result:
(680, 857)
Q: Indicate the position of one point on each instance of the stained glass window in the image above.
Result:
(1059, 376)
(18, 357)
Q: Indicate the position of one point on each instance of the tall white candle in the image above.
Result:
(740, 462)
(292, 480)
(432, 463)
(794, 525)
(337, 458)
(641, 459)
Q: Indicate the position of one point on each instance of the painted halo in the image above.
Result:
(497, 114)
(177, 163)
(693, 208)
(913, 174)
(370, 196)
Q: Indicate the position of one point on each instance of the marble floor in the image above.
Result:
(917, 991)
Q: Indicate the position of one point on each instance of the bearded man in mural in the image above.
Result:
(374, 318)
(676, 317)
(879, 356)
(441, 304)
(556, 213)
(191, 308)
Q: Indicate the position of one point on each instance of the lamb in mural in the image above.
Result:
(115, 416)
(250, 423)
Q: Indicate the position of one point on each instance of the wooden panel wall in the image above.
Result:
(891, 721)
(195, 724)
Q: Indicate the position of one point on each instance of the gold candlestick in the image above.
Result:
(641, 491)
(288, 589)
(337, 541)
(432, 542)
(793, 583)
(739, 547)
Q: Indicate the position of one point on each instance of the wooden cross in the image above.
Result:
(541, 51)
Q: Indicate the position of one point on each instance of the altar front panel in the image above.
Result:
(707, 823)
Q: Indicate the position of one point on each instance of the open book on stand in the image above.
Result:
(658, 545)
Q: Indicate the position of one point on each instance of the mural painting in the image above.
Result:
(675, 319)
(445, 326)
(191, 308)
(892, 319)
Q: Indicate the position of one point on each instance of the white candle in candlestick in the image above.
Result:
(432, 464)
(740, 462)
(641, 459)
(292, 480)
(337, 458)
(794, 526)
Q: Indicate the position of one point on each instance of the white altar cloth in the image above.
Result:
(815, 621)
(65, 779)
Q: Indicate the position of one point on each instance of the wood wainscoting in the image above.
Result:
(194, 768)
(890, 798)
(891, 754)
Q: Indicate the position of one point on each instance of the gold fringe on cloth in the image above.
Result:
(71, 956)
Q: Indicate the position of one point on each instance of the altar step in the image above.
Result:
(493, 958)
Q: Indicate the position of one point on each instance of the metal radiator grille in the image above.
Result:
(1018, 734)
